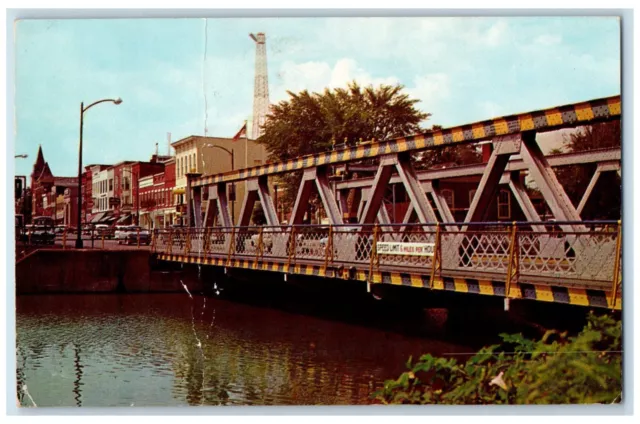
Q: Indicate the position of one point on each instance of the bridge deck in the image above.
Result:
(512, 260)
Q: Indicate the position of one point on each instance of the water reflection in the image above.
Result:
(78, 368)
(143, 350)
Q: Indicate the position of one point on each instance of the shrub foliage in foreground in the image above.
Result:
(554, 370)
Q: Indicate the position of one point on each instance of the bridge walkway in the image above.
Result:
(510, 260)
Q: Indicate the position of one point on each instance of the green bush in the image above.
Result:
(557, 369)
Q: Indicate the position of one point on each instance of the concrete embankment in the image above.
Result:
(99, 271)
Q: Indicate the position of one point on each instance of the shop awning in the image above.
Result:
(110, 218)
(123, 218)
(179, 190)
(97, 217)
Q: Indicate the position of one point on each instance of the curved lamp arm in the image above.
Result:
(218, 147)
(116, 101)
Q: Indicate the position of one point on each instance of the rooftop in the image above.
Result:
(200, 137)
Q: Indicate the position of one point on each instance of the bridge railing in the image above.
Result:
(511, 250)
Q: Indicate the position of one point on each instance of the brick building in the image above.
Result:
(41, 183)
(97, 208)
(124, 184)
(212, 155)
(113, 191)
(70, 206)
(141, 172)
(47, 190)
(157, 200)
(169, 210)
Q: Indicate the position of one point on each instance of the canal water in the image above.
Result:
(180, 350)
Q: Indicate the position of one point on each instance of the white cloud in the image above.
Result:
(347, 70)
(496, 34)
(432, 90)
(316, 76)
(548, 39)
(295, 77)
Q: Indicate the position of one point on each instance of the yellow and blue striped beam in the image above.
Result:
(571, 115)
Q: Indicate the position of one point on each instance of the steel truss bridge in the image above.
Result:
(568, 260)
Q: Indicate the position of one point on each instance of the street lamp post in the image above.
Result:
(233, 185)
(117, 101)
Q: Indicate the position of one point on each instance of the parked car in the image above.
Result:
(102, 230)
(267, 238)
(87, 229)
(59, 230)
(143, 235)
(122, 231)
(41, 231)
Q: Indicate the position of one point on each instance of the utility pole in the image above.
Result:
(261, 86)
(137, 199)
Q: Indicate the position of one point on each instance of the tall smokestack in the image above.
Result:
(168, 144)
(261, 86)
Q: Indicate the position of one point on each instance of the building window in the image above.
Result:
(504, 204)
(111, 184)
(448, 197)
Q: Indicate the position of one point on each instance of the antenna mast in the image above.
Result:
(261, 86)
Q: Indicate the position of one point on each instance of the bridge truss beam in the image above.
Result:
(511, 136)
(572, 115)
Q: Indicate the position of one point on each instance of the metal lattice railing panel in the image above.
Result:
(553, 255)
(478, 251)
(311, 244)
(588, 256)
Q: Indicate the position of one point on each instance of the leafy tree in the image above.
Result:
(557, 369)
(454, 155)
(606, 199)
(309, 123)
(596, 136)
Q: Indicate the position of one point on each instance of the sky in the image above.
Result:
(462, 70)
